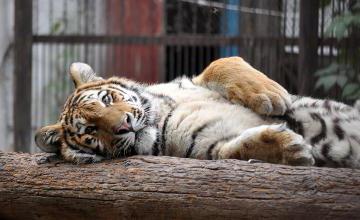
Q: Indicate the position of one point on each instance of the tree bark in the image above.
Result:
(39, 187)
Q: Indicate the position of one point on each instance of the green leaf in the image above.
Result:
(327, 82)
(356, 19)
(342, 80)
(355, 96)
(340, 30)
(347, 18)
(349, 89)
(351, 73)
(340, 25)
(56, 27)
(329, 70)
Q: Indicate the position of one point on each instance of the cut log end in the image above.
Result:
(38, 186)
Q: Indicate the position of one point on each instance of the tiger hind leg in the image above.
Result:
(269, 143)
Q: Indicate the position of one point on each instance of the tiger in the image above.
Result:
(229, 111)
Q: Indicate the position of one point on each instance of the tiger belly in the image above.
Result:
(193, 127)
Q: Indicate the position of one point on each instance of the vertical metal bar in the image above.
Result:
(284, 11)
(92, 17)
(63, 67)
(50, 70)
(208, 33)
(253, 43)
(86, 24)
(39, 95)
(121, 57)
(194, 70)
(186, 61)
(51, 19)
(65, 16)
(280, 70)
(162, 47)
(73, 52)
(47, 60)
(308, 42)
(96, 57)
(66, 53)
(331, 44)
(34, 85)
(322, 27)
(78, 17)
(36, 19)
(179, 27)
(261, 61)
(201, 57)
(225, 50)
(293, 24)
(22, 75)
(55, 81)
(44, 81)
(113, 69)
(171, 63)
(38, 107)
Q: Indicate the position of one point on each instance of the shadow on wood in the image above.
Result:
(38, 187)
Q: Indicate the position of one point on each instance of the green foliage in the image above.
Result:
(342, 76)
(341, 25)
(57, 28)
(341, 73)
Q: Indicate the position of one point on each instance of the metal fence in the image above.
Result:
(158, 40)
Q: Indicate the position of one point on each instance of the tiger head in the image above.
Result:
(100, 119)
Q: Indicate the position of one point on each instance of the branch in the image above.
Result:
(36, 186)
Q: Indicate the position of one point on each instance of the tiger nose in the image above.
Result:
(126, 126)
(129, 119)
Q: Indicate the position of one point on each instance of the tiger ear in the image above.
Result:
(48, 138)
(82, 73)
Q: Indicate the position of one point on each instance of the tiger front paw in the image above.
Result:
(80, 157)
(241, 83)
(270, 143)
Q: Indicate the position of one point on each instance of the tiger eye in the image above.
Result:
(107, 99)
(90, 129)
(88, 141)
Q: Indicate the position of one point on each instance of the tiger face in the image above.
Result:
(101, 118)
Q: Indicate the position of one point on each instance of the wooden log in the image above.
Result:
(37, 187)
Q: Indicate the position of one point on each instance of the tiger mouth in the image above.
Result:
(120, 131)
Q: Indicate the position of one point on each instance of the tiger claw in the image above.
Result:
(255, 161)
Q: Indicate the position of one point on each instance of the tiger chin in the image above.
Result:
(224, 113)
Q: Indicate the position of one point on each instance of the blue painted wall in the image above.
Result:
(230, 26)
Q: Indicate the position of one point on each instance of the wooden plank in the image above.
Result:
(147, 187)
(308, 43)
(22, 75)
